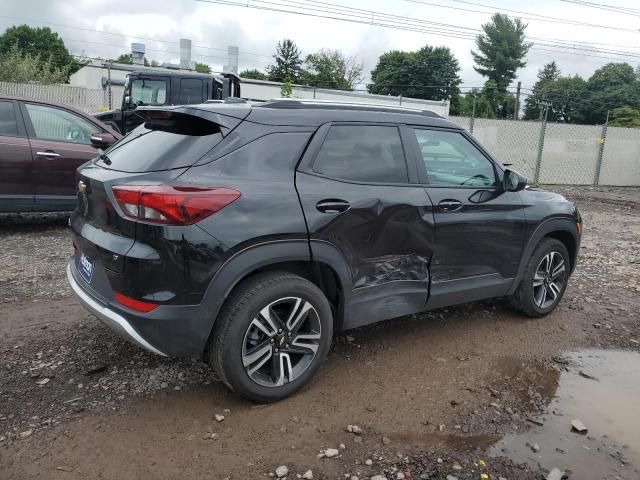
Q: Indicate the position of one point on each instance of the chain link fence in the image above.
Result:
(86, 99)
(559, 153)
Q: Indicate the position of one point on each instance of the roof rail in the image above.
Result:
(296, 103)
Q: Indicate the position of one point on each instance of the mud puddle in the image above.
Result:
(602, 390)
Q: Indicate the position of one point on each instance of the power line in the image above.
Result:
(356, 15)
(610, 8)
(524, 15)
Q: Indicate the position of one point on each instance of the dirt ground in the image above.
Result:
(438, 395)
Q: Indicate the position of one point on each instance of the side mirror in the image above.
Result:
(127, 100)
(513, 181)
(102, 140)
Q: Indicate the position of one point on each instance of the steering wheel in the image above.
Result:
(480, 176)
(76, 134)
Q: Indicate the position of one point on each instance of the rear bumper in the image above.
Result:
(112, 319)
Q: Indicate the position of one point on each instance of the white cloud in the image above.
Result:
(256, 32)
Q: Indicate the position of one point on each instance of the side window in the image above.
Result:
(191, 91)
(451, 159)
(50, 123)
(148, 92)
(364, 153)
(8, 124)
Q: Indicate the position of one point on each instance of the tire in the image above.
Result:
(526, 298)
(243, 336)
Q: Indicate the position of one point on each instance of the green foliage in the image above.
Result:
(430, 73)
(286, 90)
(331, 69)
(21, 66)
(42, 44)
(574, 100)
(127, 59)
(625, 117)
(546, 76)
(613, 86)
(500, 103)
(566, 97)
(203, 68)
(254, 74)
(287, 62)
(501, 50)
(474, 103)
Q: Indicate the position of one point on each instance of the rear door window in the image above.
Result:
(191, 91)
(8, 123)
(362, 153)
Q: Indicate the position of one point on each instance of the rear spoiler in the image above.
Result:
(226, 121)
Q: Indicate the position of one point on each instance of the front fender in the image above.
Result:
(545, 228)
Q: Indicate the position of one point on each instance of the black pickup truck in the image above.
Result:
(151, 87)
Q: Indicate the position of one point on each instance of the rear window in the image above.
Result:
(163, 144)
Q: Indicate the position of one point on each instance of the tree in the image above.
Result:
(37, 41)
(567, 97)
(287, 62)
(473, 103)
(40, 43)
(548, 74)
(499, 103)
(501, 50)
(612, 86)
(254, 74)
(331, 69)
(202, 68)
(21, 66)
(286, 90)
(127, 59)
(430, 73)
(625, 117)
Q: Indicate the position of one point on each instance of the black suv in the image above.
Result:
(252, 233)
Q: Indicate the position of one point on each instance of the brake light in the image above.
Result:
(133, 304)
(171, 204)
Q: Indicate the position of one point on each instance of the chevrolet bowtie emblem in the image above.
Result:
(82, 186)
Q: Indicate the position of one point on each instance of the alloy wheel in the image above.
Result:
(281, 341)
(549, 279)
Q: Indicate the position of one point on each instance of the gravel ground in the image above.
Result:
(36, 249)
(432, 391)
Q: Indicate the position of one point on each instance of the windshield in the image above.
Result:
(148, 92)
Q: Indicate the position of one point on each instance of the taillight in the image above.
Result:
(170, 204)
(133, 304)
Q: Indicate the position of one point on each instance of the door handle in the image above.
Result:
(48, 154)
(333, 206)
(450, 205)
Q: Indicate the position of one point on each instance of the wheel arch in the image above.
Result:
(563, 229)
(327, 270)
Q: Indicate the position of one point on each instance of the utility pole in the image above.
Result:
(109, 97)
(516, 113)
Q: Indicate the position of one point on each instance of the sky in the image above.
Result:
(159, 24)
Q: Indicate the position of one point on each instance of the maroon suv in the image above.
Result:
(41, 146)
